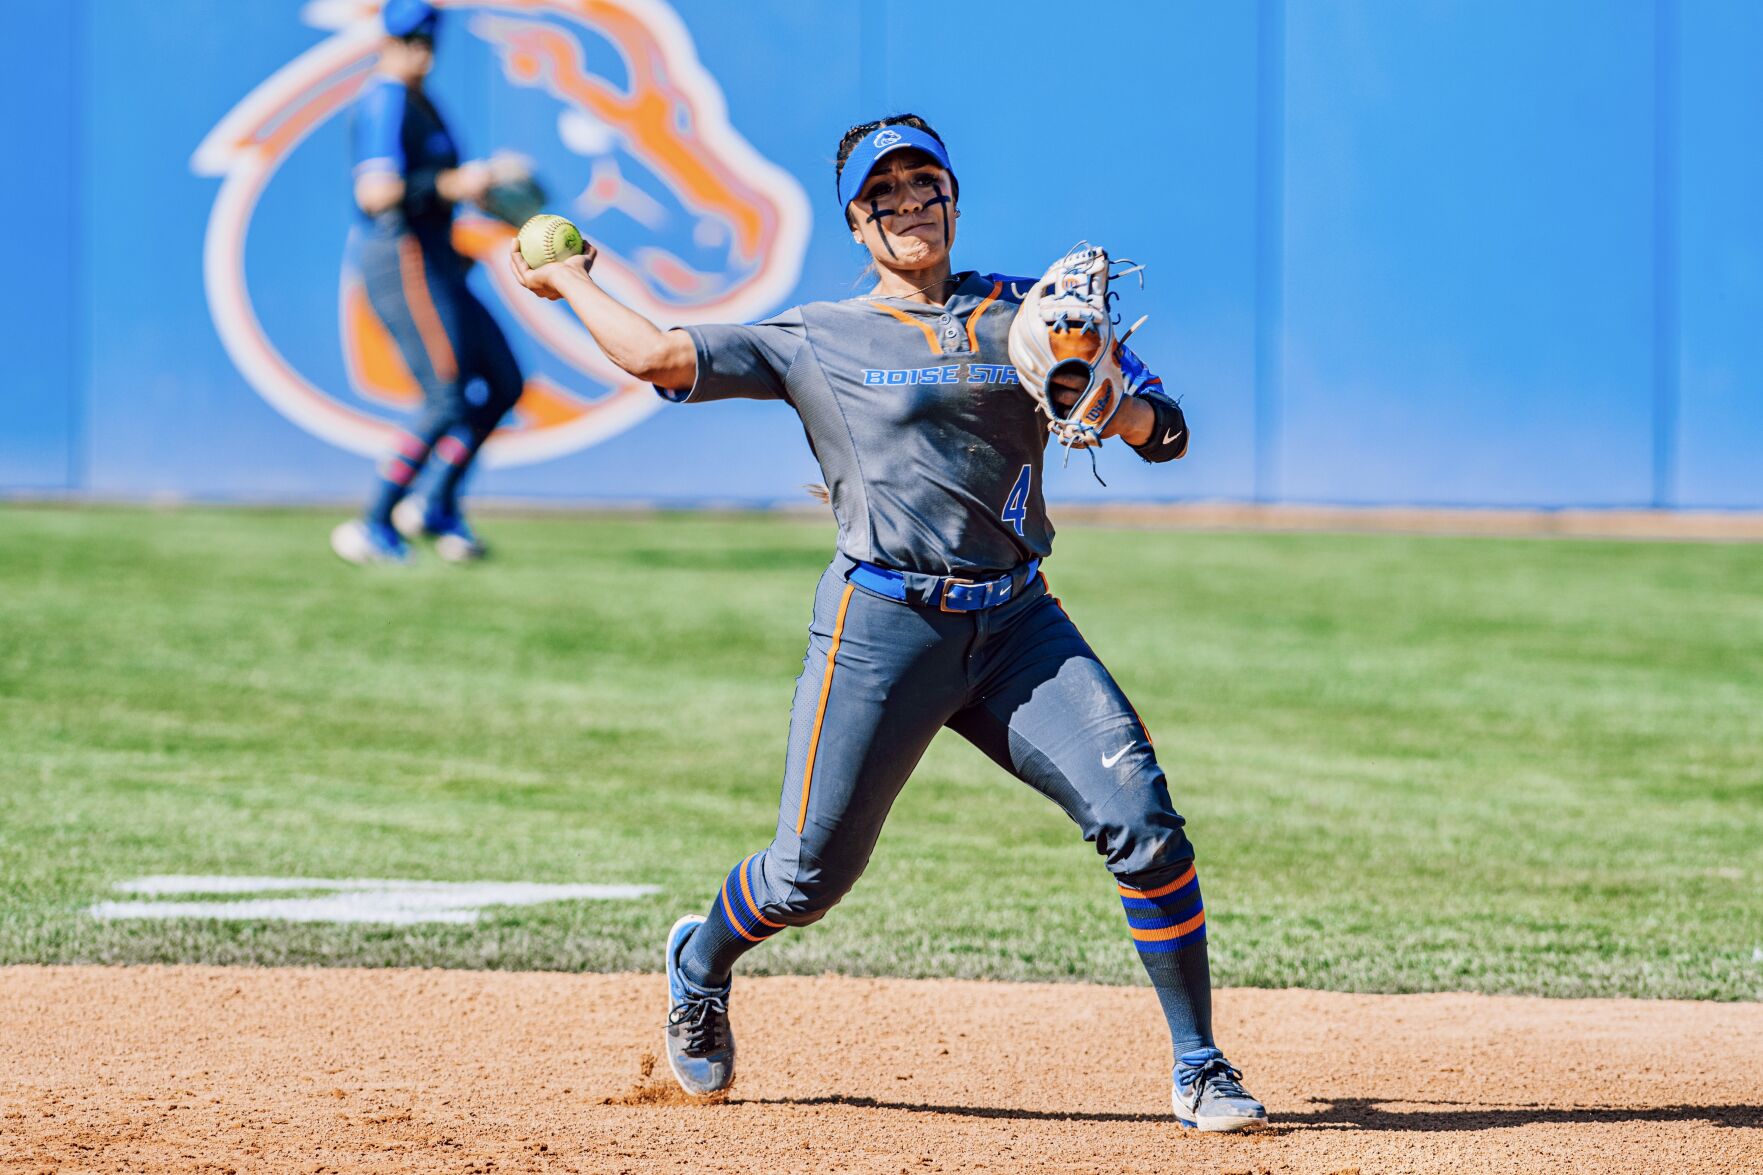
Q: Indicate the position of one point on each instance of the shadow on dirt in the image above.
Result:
(1370, 1114)
(869, 1103)
(1356, 1113)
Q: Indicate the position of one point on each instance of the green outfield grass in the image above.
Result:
(1408, 763)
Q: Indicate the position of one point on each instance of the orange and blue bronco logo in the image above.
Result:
(628, 130)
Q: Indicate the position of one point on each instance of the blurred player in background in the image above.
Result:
(407, 179)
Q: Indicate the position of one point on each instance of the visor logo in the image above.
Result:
(886, 138)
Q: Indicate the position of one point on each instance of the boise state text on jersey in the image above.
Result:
(975, 373)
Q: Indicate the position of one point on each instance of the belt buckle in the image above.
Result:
(950, 582)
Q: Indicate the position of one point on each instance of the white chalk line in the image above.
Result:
(385, 901)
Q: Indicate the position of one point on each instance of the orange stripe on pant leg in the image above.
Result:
(826, 686)
(1143, 729)
(747, 896)
(422, 309)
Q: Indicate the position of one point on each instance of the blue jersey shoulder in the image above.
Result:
(1015, 288)
(378, 128)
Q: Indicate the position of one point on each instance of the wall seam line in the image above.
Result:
(1269, 246)
(79, 337)
(1666, 354)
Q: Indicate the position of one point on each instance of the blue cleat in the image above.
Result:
(1208, 1096)
(454, 540)
(699, 1043)
(364, 543)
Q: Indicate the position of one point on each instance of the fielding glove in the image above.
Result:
(1065, 327)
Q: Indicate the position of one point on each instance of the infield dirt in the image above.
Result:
(208, 1069)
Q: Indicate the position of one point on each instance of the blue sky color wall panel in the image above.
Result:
(1468, 225)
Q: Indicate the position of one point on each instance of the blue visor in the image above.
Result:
(410, 18)
(866, 154)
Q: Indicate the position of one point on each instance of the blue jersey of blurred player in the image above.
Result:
(407, 179)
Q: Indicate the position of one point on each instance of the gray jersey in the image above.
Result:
(929, 445)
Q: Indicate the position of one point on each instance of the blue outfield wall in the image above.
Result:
(1456, 252)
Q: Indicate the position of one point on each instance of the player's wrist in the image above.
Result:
(1134, 421)
(1168, 438)
(572, 277)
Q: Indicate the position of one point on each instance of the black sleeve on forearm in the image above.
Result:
(1169, 437)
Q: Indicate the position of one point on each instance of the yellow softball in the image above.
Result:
(547, 238)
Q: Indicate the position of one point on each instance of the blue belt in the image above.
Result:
(951, 593)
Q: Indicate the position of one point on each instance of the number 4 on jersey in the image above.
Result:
(1016, 505)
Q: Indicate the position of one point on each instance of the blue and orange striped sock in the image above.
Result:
(1167, 919)
(734, 927)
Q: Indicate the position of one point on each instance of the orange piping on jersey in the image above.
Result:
(1127, 891)
(826, 686)
(428, 323)
(973, 319)
(747, 896)
(1169, 932)
(930, 336)
(1143, 729)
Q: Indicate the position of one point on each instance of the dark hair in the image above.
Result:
(856, 133)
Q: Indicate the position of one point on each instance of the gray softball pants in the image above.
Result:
(1019, 681)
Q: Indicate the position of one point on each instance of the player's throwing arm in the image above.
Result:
(642, 349)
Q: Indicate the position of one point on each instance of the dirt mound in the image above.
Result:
(212, 1070)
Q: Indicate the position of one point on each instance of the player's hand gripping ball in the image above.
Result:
(547, 238)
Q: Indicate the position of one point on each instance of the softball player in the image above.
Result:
(933, 613)
(407, 179)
